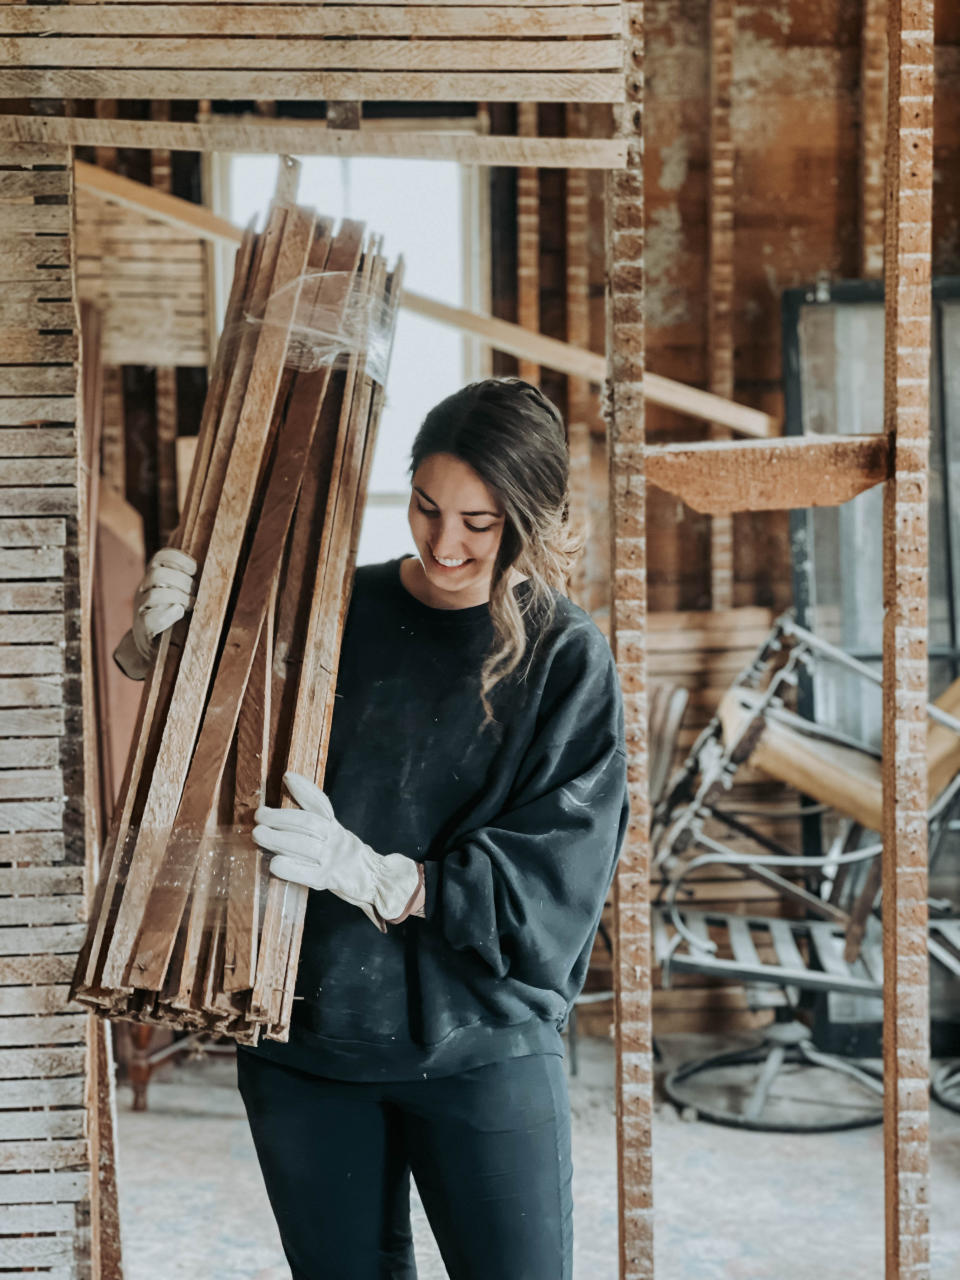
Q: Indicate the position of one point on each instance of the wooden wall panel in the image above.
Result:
(45, 1186)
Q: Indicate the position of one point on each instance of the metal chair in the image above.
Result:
(838, 949)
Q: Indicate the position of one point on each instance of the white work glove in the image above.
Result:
(312, 848)
(164, 595)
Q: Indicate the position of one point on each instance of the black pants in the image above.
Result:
(489, 1149)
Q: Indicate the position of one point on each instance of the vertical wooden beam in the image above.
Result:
(720, 303)
(113, 445)
(907, 274)
(873, 135)
(625, 425)
(579, 397)
(528, 241)
(168, 512)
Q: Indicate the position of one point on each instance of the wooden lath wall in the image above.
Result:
(45, 1185)
(549, 51)
(149, 282)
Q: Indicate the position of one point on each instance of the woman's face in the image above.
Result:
(457, 524)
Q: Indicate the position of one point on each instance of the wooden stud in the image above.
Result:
(907, 276)
(721, 277)
(625, 424)
(579, 396)
(873, 118)
(528, 241)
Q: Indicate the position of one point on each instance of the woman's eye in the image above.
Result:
(426, 511)
(473, 528)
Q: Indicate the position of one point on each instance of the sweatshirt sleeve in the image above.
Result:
(525, 891)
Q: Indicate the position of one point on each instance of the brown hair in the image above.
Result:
(513, 437)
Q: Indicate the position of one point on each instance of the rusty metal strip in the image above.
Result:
(907, 273)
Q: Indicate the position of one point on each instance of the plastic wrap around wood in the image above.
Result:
(186, 929)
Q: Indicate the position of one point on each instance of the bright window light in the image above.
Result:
(425, 211)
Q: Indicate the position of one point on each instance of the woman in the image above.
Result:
(474, 809)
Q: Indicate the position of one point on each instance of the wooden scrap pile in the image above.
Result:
(186, 929)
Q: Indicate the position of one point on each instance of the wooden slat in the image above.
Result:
(23, 1000)
(51, 939)
(304, 20)
(31, 815)
(50, 501)
(26, 659)
(250, 135)
(32, 1188)
(32, 1064)
(32, 533)
(36, 443)
(39, 408)
(27, 752)
(59, 909)
(378, 86)
(62, 1029)
(41, 1251)
(31, 597)
(27, 1219)
(322, 55)
(30, 691)
(35, 628)
(29, 784)
(44, 970)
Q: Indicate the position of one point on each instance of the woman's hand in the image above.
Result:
(164, 595)
(311, 848)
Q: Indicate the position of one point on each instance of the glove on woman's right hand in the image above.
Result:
(164, 595)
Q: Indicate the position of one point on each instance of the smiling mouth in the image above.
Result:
(447, 565)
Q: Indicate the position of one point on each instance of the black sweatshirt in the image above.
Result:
(518, 823)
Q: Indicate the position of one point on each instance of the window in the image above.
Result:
(433, 214)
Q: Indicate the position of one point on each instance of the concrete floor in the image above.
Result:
(730, 1205)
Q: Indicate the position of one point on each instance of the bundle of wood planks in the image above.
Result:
(186, 929)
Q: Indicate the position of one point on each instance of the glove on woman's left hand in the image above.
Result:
(312, 848)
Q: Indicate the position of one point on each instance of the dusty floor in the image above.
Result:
(730, 1205)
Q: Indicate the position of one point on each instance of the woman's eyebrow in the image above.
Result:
(427, 498)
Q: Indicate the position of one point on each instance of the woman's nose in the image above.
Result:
(447, 542)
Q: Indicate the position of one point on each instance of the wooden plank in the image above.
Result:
(31, 691)
(23, 254)
(56, 1029)
(28, 1219)
(30, 784)
(26, 659)
(31, 562)
(907, 293)
(328, 20)
(41, 380)
(32, 533)
(20, 409)
(32, 217)
(36, 628)
(21, 1000)
(53, 939)
(15, 184)
(44, 970)
(753, 475)
(37, 443)
(249, 135)
(35, 471)
(31, 597)
(375, 86)
(59, 909)
(29, 815)
(33, 1064)
(356, 55)
(183, 718)
(438, 4)
(34, 1188)
(28, 752)
(50, 501)
(40, 1251)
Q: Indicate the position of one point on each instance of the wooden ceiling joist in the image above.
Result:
(253, 136)
(433, 52)
(719, 477)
